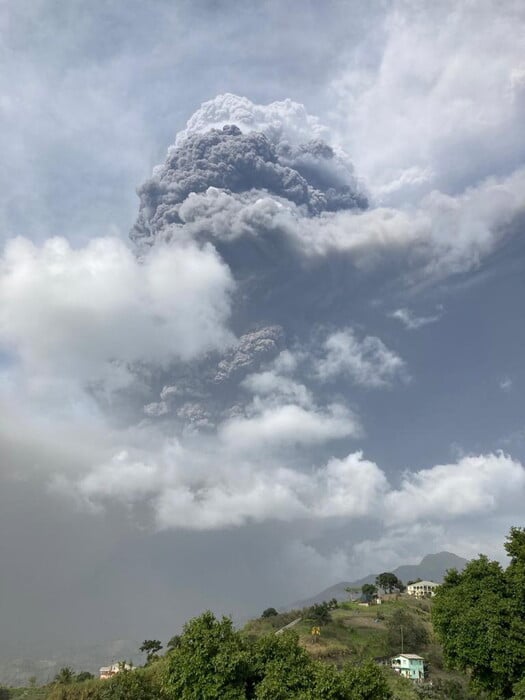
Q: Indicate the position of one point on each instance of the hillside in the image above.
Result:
(356, 633)
(432, 568)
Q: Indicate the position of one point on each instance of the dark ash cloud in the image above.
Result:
(308, 175)
(252, 349)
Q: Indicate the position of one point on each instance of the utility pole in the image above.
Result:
(402, 646)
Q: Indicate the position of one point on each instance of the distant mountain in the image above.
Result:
(431, 568)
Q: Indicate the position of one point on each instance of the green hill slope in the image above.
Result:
(357, 633)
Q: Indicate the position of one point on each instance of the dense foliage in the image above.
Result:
(214, 661)
(479, 616)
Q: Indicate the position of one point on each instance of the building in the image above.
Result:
(109, 671)
(409, 666)
(422, 589)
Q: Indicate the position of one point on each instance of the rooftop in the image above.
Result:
(409, 656)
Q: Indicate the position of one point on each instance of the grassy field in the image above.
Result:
(355, 632)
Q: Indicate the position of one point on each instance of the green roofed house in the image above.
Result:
(410, 666)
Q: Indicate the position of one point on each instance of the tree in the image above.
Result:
(369, 591)
(282, 668)
(270, 612)
(417, 580)
(479, 617)
(84, 676)
(389, 582)
(365, 682)
(515, 577)
(320, 613)
(405, 633)
(212, 661)
(174, 642)
(65, 676)
(519, 690)
(152, 648)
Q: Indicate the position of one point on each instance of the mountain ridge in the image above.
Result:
(432, 567)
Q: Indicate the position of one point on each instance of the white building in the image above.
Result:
(422, 589)
(108, 671)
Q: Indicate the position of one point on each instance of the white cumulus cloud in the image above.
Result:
(281, 120)
(85, 311)
(475, 485)
(261, 485)
(290, 424)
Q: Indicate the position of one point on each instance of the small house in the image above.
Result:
(409, 666)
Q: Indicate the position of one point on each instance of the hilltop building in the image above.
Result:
(422, 589)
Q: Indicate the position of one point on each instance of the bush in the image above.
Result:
(445, 690)
(126, 685)
(414, 632)
(320, 613)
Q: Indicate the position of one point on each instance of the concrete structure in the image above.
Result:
(108, 671)
(410, 666)
(422, 589)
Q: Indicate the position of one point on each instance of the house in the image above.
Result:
(109, 671)
(422, 589)
(410, 666)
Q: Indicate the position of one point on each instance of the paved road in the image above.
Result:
(289, 625)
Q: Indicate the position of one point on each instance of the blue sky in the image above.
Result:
(306, 362)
